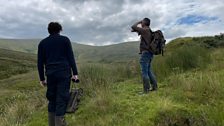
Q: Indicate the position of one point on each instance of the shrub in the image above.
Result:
(188, 57)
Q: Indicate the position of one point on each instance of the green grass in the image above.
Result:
(13, 63)
(123, 104)
(188, 97)
(191, 90)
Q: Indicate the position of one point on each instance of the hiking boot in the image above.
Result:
(154, 89)
(146, 85)
(60, 121)
(142, 93)
(51, 119)
(146, 91)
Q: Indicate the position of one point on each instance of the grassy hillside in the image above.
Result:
(14, 62)
(191, 91)
(22, 45)
(114, 53)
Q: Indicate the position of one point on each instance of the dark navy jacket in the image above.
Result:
(55, 54)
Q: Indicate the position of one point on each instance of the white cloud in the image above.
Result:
(106, 22)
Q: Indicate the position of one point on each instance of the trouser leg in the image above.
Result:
(51, 93)
(152, 78)
(51, 96)
(144, 70)
(146, 85)
(62, 97)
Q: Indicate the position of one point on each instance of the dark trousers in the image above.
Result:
(58, 85)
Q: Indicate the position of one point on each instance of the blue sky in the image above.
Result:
(96, 22)
(193, 19)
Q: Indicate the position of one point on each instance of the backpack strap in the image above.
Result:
(152, 34)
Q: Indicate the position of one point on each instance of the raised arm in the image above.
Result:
(135, 27)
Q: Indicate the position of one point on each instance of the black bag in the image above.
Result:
(75, 96)
(158, 42)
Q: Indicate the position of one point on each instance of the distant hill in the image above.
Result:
(14, 62)
(22, 45)
(83, 53)
(122, 52)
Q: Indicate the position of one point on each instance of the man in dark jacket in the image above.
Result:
(56, 60)
(146, 53)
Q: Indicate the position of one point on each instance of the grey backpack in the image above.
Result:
(74, 100)
(158, 42)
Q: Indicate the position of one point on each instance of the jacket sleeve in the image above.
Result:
(71, 57)
(137, 29)
(40, 62)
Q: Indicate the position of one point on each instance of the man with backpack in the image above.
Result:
(55, 60)
(146, 52)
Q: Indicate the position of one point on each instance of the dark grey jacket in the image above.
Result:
(146, 37)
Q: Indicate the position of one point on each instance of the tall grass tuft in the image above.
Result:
(19, 108)
(188, 57)
(100, 77)
(185, 58)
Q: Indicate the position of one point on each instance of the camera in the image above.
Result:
(133, 30)
(75, 80)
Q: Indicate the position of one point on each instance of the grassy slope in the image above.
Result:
(194, 96)
(84, 53)
(13, 66)
(22, 45)
(13, 62)
(189, 96)
(113, 53)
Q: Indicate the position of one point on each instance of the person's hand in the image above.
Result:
(75, 78)
(140, 22)
(43, 83)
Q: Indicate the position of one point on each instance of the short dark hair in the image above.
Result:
(147, 21)
(54, 28)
